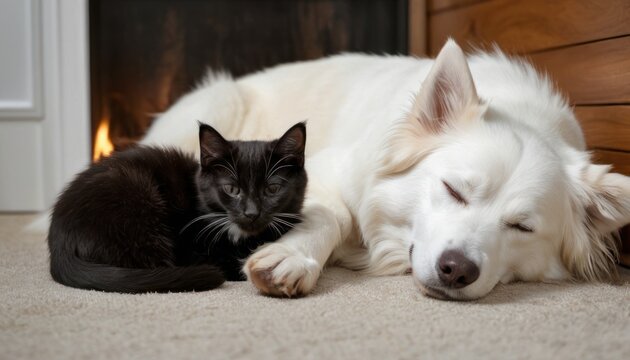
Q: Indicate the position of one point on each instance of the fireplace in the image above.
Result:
(144, 54)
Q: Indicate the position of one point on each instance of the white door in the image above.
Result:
(44, 123)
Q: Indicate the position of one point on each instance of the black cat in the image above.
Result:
(152, 219)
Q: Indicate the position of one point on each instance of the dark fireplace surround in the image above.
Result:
(144, 54)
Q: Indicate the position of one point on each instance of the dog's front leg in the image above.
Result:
(292, 265)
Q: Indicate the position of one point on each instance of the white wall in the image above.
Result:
(44, 123)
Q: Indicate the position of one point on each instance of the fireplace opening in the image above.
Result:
(145, 54)
(103, 145)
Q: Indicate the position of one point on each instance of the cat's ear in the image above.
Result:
(212, 145)
(293, 143)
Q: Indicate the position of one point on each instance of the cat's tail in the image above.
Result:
(75, 272)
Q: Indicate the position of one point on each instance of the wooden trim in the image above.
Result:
(66, 139)
(530, 25)
(417, 27)
(605, 127)
(596, 73)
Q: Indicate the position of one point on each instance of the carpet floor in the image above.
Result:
(349, 316)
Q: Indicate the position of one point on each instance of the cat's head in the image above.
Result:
(258, 185)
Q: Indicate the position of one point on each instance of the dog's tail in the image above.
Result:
(70, 270)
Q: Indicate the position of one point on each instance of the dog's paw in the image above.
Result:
(279, 270)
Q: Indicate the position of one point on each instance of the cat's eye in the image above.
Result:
(231, 189)
(520, 227)
(272, 189)
(454, 193)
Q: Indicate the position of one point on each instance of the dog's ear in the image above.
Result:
(447, 99)
(448, 92)
(601, 206)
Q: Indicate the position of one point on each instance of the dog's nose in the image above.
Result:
(456, 270)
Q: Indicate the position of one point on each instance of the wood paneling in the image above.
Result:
(596, 73)
(442, 5)
(620, 160)
(530, 25)
(605, 127)
(417, 27)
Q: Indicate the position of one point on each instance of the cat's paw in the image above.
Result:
(278, 270)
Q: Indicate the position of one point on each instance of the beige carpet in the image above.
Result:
(349, 316)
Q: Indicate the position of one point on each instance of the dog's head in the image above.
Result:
(496, 201)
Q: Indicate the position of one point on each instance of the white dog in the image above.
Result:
(479, 177)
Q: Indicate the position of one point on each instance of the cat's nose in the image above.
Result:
(251, 210)
(251, 214)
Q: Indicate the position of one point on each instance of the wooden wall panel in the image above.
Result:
(417, 31)
(532, 25)
(605, 127)
(596, 73)
(442, 5)
(620, 160)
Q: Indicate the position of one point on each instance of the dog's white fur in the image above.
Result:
(386, 133)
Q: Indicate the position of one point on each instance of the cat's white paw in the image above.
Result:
(278, 270)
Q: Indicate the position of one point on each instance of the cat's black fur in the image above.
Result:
(152, 219)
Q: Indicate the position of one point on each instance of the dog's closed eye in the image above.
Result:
(454, 193)
(519, 227)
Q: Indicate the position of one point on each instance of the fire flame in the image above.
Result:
(102, 145)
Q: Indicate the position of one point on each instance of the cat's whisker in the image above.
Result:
(278, 168)
(210, 230)
(224, 227)
(234, 164)
(199, 218)
(289, 220)
(284, 222)
(200, 234)
(275, 228)
(210, 226)
(289, 215)
(267, 159)
(229, 170)
(219, 230)
(278, 162)
(274, 169)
